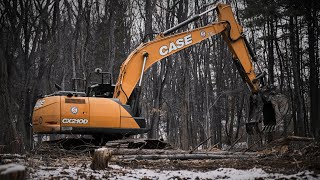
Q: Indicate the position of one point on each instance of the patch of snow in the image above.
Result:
(69, 172)
(12, 155)
(221, 173)
(118, 172)
(9, 168)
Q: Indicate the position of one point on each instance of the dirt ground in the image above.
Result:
(283, 158)
(284, 165)
(280, 158)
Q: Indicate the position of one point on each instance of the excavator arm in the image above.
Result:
(146, 54)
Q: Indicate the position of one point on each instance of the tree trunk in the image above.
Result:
(185, 107)
(270, 50)
(299, 128)
(314, 74)
(112, 42)
(9, 141)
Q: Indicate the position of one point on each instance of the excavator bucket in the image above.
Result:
(273, 107)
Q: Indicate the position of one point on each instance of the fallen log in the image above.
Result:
(294, 138)
(101, 159)
(149, 144)
(287, 140)
(12, 172)
(12, 158)
(124, 151)
(185, 156)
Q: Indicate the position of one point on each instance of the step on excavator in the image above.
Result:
(110, 111)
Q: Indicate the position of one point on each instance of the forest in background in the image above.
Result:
(187, 97)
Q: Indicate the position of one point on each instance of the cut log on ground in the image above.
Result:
(292, 138)
(101, 158)
(12, 158)
(139, 144)
(124, 151)
(12, 172)
(185, 156)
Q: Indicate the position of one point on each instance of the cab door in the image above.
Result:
(74, 112)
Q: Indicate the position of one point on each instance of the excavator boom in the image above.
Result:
(146, 54)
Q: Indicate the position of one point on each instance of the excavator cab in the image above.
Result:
(104, 89)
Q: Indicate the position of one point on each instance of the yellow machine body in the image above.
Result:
(84, 115)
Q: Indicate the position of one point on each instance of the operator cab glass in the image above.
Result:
(101, 90)
(104, 89)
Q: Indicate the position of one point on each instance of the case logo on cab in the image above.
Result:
(180, 43)
(74, 110)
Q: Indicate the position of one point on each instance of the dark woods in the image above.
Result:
(187, 97)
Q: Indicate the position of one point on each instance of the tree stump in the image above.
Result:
(12, 172)
(101, 158)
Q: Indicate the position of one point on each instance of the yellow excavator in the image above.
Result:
(111, 112)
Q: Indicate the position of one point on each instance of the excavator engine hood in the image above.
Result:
(69, 114)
